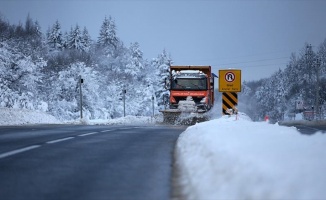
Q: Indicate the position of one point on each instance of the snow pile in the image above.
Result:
(240, 159)
(23, 117)
(299, 116)
(128, 120)
(20, 117)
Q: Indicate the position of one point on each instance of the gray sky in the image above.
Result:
(256, 36)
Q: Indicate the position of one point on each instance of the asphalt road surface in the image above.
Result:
(86, 162)
(309, 130)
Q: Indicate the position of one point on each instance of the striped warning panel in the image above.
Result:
(229, 101)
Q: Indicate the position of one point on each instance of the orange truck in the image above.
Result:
(191, 92)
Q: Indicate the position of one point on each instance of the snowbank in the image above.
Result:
(128, 120)
(240, 159)
(10, 116)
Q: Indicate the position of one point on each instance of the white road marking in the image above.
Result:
(17, 151)
(106, 131)
(86, 134)
(60, 140)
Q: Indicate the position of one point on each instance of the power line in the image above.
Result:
(266, 65)
(253, 61)
(263, 65)
(245, 56)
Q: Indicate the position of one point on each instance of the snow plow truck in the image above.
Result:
(191, 94)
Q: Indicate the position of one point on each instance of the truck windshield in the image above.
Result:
(189, 84)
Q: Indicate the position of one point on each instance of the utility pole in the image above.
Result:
(81, 81)
(309, 58)
(317, 88)
(153, 104)
(314, 64)
(124, 91)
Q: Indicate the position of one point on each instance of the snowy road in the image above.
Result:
(86, 162)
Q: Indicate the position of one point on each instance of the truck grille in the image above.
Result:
(196, 99)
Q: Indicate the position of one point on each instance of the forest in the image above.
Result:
(299, 88)
(42, 71)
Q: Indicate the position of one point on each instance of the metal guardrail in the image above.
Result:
(312, 115)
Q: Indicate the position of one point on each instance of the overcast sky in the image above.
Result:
(256, 36)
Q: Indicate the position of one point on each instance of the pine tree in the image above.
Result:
(4, 29)
(37, 29)
(19, 30)
(65, 40)
(29, 26)
(55, 36)
(322, 56)
(108, 37)
(86, 40)
(75, 39)
(161, 67)
(135, 62)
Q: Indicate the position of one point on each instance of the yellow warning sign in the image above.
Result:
(229, 101)
(230, 80)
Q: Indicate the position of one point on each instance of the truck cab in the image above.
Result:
(191, 85)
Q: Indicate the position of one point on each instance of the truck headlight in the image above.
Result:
(204, 100)
(172, 100)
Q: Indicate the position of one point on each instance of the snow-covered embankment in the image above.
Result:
(240, 159)
(9, 116)
(13, 117)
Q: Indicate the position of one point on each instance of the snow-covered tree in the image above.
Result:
(51, 84)
(64, 96)
(20, 76)
(75, 39)
(5, 31)
(37, 30)
(135, 62)
(86, 38)
(32, 28)
(108, 36)
(19, 30)
(247, 99)
(54, 36)
(271, 97)
(161, 66)
(65, 40)
(322, 56)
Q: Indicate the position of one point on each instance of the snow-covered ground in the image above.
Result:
(239, 159)
(9, 117)
(227, 158)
